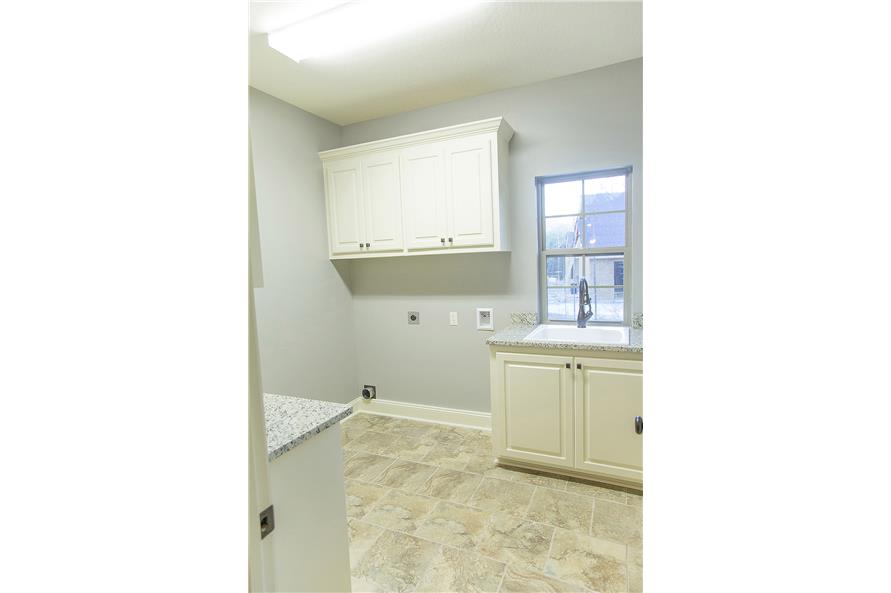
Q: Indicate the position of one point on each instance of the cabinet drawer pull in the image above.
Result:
(578, 365)
(450, 239)
(442, 240)
(638, 424)
(568, 365)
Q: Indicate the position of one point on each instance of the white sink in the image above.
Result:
(582, 335)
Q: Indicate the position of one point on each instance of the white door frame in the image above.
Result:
(260, 558)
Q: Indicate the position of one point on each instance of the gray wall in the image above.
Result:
(304, 310)
(582, 122)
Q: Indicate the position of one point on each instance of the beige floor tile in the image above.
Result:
(480, 463)
(361, 496)
(596, 490)
(561, 509)
(380, 423)
(461, 571)
(452, 456)
(362, 537)
(359, 422)
(617, 522)
(516, 541)
(540, 479)
(450, 435)
(635, 570)
(400, 511)
(349, 432)
(394, 564)
(365, 466)
(478, 440)
(587, 561)
(455, 525)
(411, 428)
(371, 442)
(451, 485)
(593, 563)
(406, 475)
(411, 448)
(502, 497)
(525, 580)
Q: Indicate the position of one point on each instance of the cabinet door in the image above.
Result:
(383, 202)
(346, 230)
(423, 196)
(532, 408)
(608, 397)
(469, 191)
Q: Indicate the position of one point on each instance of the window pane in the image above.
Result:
(562, 303)
(605, 270)
(608, 304)
(605, 230)
(563, 232)
(563, 198)
(563, 270)
(605, 193)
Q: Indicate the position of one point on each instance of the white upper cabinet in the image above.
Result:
(424, 196)
(346, 223)
(382, 203)
(469, 193)
(441, 191)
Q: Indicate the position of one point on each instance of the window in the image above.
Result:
(585, 233)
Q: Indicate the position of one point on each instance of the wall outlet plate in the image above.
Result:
(453, 318)
(414, 318)
(485, 319)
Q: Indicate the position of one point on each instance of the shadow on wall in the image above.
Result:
(452, 274)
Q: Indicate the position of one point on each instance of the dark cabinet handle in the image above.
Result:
(578, 365)
(568, 365)
(442, 240)
(450, 239)
(638, 424)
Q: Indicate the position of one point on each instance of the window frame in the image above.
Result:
(625, 250)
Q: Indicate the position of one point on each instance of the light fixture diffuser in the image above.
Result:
(359, 24)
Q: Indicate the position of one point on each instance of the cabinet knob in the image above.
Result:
(578, 365)
(450, 239)
(568, 365)
(638, 424)
(442, 240)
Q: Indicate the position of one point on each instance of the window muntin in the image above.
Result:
(585, 232)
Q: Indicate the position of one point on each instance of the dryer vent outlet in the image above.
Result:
(369, 392)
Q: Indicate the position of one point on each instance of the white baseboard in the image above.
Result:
(424, 413)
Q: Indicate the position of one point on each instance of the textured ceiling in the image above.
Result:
(492, 46)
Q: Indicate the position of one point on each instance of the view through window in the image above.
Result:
(585, 234)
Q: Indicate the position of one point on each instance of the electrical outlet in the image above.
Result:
(414, 318)
(453, 318)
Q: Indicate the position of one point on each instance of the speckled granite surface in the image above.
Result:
(291, 420)
(515, 334)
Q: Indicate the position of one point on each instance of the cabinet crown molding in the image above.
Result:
(492, 124)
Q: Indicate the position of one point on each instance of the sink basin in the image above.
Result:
(581, 335)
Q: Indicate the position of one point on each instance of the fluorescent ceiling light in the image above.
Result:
(358, 24)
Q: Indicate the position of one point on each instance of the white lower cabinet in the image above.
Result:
(608, 400)
(580, 414)
(533, 395)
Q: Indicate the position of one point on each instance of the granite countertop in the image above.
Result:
(291, 420)
(515, 334)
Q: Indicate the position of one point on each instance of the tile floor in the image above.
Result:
(429, 511)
